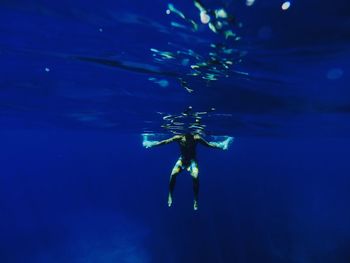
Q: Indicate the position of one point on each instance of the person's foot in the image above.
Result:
(195, 205)
(170, 200)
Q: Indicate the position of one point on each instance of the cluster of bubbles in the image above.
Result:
(212, 64)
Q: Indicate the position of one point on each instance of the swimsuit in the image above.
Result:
(189, 165)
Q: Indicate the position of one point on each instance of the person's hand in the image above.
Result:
(226, 143)
(148, 144)
(223, 145)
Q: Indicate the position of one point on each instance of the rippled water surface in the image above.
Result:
(88, 65)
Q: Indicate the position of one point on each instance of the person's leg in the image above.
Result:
(194, 173)
(176, 170)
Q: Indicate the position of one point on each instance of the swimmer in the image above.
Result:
(187, 160)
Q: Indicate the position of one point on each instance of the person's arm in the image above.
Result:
(216, 145)
(205, 143)
(155, 143)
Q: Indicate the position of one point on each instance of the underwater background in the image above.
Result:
(80, 81)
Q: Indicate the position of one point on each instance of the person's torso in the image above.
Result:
(188, 149)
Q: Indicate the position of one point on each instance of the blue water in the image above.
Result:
(79, 84)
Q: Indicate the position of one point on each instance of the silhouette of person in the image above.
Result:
(187, 160)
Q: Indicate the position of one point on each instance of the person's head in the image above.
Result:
(189, 136)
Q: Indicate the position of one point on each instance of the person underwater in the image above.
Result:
(187, 160)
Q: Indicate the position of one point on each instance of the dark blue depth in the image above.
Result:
(76, 185)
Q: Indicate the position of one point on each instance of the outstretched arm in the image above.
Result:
(149, 144)
(218, 145)
(207, 144)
